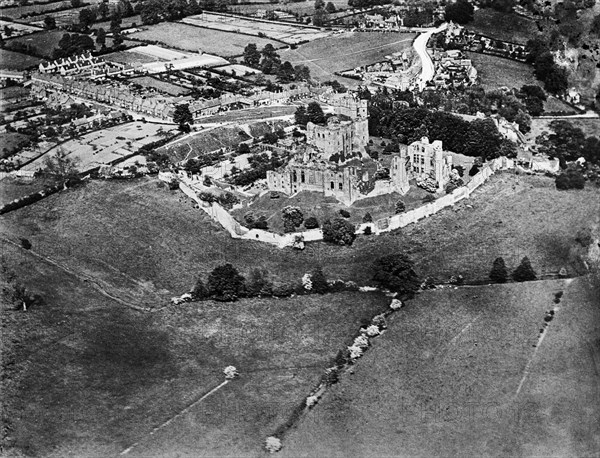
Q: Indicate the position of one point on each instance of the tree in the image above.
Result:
(293, 215)
(49, 22)
(460, 12)
(315, 113)
(319, 281)
(330, 8)
(61, 167)
(101, 37)
(76, 3)
(400, 207)
(499, 274)
(87, 17)
(259, 283)
(103, 10)
(183, 117)
(595, 26)
(338, 231)
(367, 218)
(285, 73)
(125, 9)
(225, 283)
(524, 272)
(300, 116)
(319, 18)
(251, 55)
(396, 273)
(311, 223)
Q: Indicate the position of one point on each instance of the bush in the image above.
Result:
(338, 231)
(260, 284)
(367, 218)
(429, 198)
(570, 180)
(344, 213)
(293, 215)
(225, 283)
(524, 272)
(499, 273)
(319, 282)
(26, 244)
(311, 223)
(284, 289)
(400, 207)
(368, 230)
(396, 273)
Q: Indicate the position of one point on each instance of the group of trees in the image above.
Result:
(524, 272)
(155, 11)
(568, 143)
(545, 69)
(310, 113)
(478, 138)
(338, 231)
(322, 11)
(460, 12)
(225, 283)
(72, 44)
(259, 165)
(268, 61)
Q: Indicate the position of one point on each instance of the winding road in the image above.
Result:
(420, 45)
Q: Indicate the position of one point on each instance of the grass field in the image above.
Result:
(155, 243)
(590, 127)
(192, 38)
(503, 26)
(303, 7)
(126, 57)
(494, 72)
(553, 105)
(44, 42)
(11, 60)
(14, 188)
(88, 377)
(444, 380)
(346, 51)
(313, 204)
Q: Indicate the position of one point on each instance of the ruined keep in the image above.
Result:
(424, 159)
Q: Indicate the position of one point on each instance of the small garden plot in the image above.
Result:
(162, 86)
(238, 70)
(11, 60)
(105, 146)
(342, 52)
(129, 56)
(494, 72)
(18, 30)
(503, 26)
(189, 38)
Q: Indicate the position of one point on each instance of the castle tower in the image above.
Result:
(398, 172)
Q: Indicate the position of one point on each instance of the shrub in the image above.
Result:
(288, 226)
(319, 282)
(524, 272)
(400, 207)
(292, 214)
(199, 291)
(284, 289)
(338, 231)
(570, 180)
(344, 213)
(429, 198)
(498, 273)
(259, 283)
(368, 230)
(311, 223)
(396, 272)
(225, 283)
(26, 244)
(367, 218)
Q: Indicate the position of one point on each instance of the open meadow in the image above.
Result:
(467, 373)
(11, 60)
(284, 32)
(346, 51)
(42, 43)
(494, 72)
(502, 26)
(87, 376)
(191, 38)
